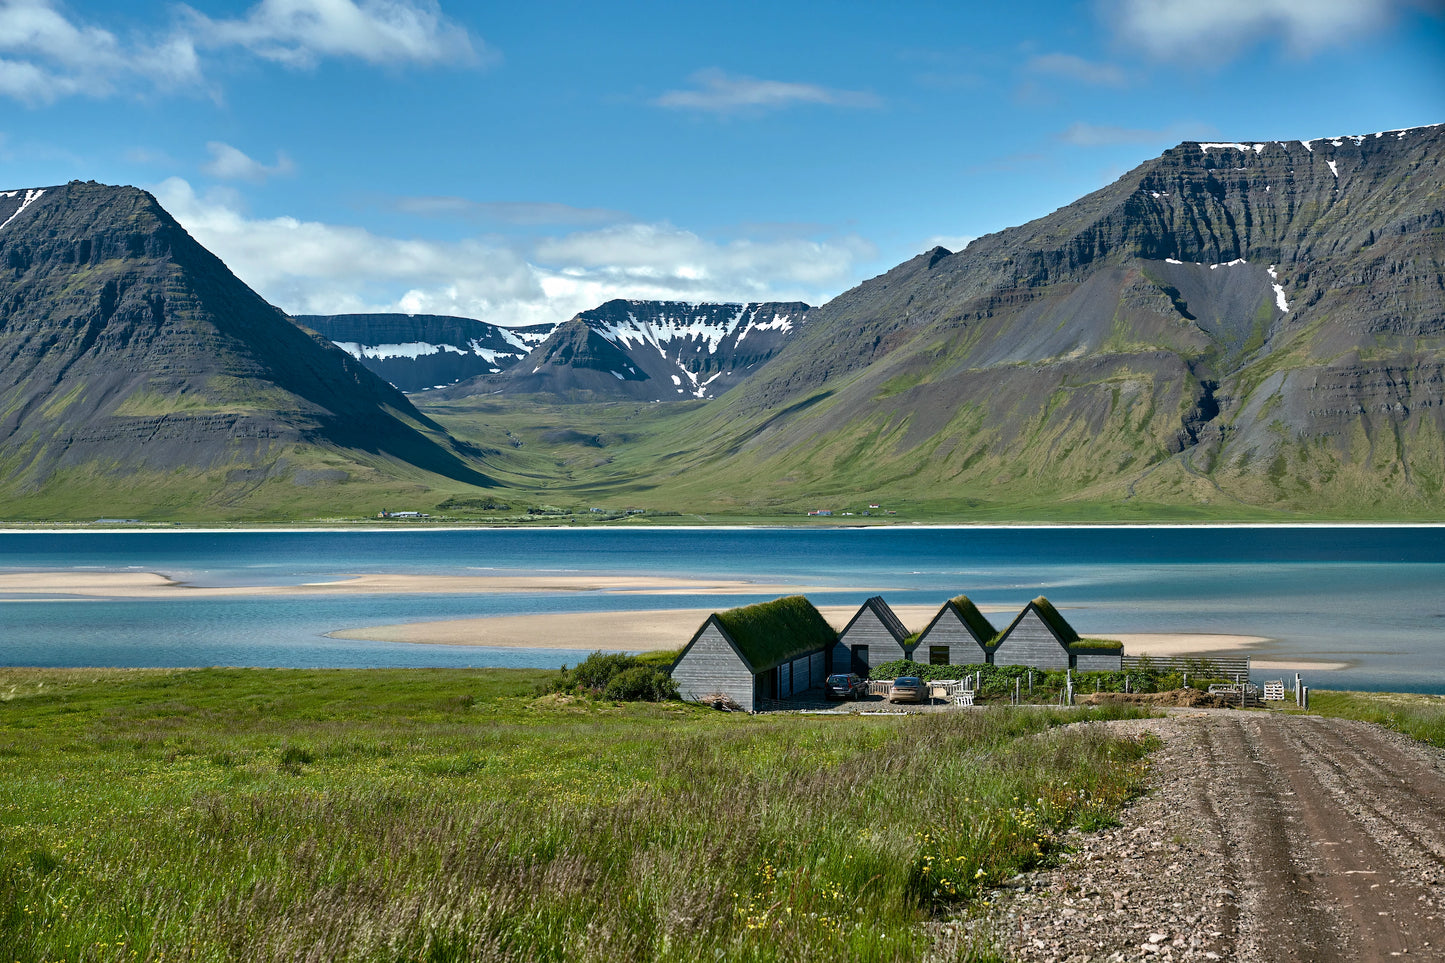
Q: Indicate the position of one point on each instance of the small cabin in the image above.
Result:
(958, 635)
(875, 635)
(770, 650)
(1042, 638)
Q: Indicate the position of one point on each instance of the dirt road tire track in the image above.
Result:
(1265, 837)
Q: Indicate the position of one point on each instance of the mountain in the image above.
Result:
(648, 351)
(1236, 325)
(136, 371)
(420, 351)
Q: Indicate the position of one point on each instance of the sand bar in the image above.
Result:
(141, 585)
(1184, 644)
(648, 631)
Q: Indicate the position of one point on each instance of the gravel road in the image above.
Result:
(1264, 837)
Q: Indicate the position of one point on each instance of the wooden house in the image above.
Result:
(1042, 638)
(958, 635)
(770, 650)
(874, 636)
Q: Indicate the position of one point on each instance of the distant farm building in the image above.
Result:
(1042, 638)
(770, 650)
(874, 636)
(958, 635)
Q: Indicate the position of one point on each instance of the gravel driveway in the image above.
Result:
(1264, 837)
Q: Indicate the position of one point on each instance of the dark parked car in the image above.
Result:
(845, 687)
(908, 688)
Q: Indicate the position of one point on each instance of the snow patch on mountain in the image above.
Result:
(31, 196)
(693, 339)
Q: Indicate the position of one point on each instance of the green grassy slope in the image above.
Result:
(449, 815)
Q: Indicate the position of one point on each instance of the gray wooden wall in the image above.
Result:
(882, 646)
(949, 630)
(1031, 643)
(1098, 661)
(712, 666)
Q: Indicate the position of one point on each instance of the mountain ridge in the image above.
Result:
(1229, 329)
(1083, 354)
(417, 352)
(644, 350)
(127, 349)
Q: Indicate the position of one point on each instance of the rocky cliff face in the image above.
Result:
(1258, 320)
(649, 351)
(126, 347)
(416, 352)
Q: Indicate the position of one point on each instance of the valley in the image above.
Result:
(1250, 332)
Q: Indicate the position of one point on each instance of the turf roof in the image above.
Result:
(976, 621)
(1055, 621)
(771, 633)
(1096, 645)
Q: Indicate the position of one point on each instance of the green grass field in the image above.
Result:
(1417, 715)
(448, 815)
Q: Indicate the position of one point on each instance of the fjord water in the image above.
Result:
(1372, 597)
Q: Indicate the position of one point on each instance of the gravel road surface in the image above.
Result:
(1264, 837)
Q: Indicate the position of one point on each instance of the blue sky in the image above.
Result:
(519, 163)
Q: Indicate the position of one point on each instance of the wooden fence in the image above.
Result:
(1225, 667)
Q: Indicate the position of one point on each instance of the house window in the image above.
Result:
(938, 655)
(860, 660)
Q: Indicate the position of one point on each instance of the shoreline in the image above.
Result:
(69, 585)
(369, 528)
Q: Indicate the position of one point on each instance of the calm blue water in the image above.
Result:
(1372, 597)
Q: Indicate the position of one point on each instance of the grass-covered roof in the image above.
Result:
(771, 633)
(976, 621)
(1096, 645)
(1055, 621)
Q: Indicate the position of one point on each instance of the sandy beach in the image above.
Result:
(151, 585)
(649, 631)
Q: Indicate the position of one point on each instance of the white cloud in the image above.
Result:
(1097, 135)
(1075, 68)
(308, 267)
(723, 93)
(1218, 28)
(298, 33)
(228, 163)
(46, 55)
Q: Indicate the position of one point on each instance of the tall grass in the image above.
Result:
(423, 815)
(1416, 715)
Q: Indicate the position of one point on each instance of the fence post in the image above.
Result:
(1306, 691)
(1186, 678)
(1031, 682)
(1016, 690)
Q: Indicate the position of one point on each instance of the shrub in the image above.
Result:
(640, 684)
(620, 677)
(599, 668)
